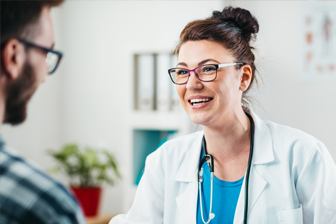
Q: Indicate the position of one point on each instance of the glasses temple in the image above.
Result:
(226, 65)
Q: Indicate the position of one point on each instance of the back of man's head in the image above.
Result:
(19, 19)
(27, 54)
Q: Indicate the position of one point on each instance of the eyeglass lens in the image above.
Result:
(52, 61)
(204, 73)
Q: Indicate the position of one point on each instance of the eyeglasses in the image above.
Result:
(53, 57)
(205, 73)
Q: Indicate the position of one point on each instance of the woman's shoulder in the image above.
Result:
(281, 135)
(284, 131)
(285, 139)
(292, 140)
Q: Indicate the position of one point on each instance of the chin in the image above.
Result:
(16, 115)
(200, 119)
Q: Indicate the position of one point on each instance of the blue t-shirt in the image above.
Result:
(225, 198)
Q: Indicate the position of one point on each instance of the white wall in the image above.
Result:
(89, 98)
(284, 96)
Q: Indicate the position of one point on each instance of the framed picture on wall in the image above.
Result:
(318, 40)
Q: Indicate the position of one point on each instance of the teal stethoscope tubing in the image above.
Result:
(211, 168)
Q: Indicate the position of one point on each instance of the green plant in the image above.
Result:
(86, 167)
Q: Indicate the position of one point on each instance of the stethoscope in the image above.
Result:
(211, 168)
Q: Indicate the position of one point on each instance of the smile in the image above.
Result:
(201, 101)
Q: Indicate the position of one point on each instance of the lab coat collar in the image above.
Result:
(188, 174)
(262, 154)
(263, 146)
(256, 186)
(189, 168)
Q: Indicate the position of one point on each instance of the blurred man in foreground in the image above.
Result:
(27, 194)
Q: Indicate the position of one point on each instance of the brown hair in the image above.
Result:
(19, 18)
(234, 28)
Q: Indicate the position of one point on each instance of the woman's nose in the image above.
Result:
(193, 82)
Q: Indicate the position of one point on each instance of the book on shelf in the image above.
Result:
(145, 95)
(174, 98)
(163, 82)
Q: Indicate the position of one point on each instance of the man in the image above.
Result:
(27, 194)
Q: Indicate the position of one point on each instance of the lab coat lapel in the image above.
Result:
(187, 200)
(256, 187)
(262, 154)
(187, 203)
(263, 145)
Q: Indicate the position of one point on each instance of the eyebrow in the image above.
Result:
(200, 63)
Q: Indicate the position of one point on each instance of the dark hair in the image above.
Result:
(19, 18)
(234, 28)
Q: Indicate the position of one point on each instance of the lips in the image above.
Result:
(198, 101)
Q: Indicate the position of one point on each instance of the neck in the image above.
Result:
(230, 137)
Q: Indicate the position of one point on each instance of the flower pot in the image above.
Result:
(88, 198)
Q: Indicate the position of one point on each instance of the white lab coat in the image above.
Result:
(292, 181)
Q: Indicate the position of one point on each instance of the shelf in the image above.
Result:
(144, 143)
(147, 127)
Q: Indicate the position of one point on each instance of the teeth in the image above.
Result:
(199, 100)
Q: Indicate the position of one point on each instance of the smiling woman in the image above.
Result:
(239, 169)
(224, 85)
(232, 31)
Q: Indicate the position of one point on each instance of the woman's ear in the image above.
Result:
(245, 78)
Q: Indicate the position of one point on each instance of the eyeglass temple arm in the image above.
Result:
(230, 64)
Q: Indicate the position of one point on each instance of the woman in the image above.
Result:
(263, 172)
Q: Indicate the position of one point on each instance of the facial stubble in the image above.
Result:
(18, 94)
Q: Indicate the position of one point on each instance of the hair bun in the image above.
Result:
(242, 18)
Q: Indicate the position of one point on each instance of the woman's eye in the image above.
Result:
(182, 72)
(208, 69)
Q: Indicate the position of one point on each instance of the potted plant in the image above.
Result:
(87, 169)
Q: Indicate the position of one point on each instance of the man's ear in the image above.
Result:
(245, 78)
(13, 57)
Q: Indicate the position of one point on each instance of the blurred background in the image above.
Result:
(94, 99)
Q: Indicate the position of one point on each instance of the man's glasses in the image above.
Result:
(53, 57)
(205, 73)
